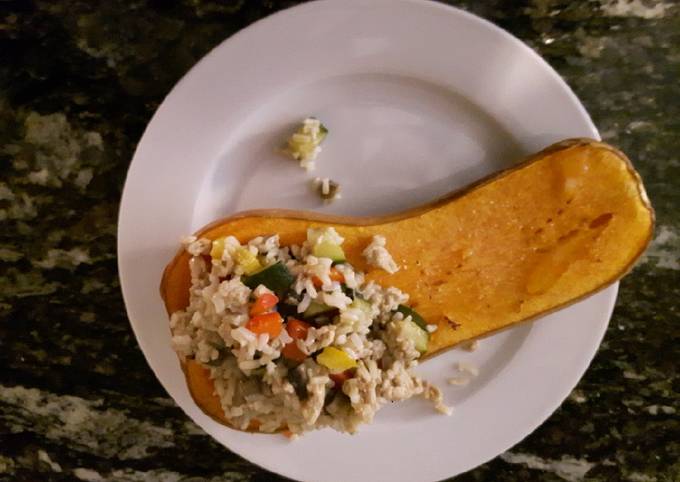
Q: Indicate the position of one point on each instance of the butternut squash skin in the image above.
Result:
(550, 231)
(202, 389)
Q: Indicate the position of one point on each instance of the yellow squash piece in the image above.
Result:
(217, 248)
(335, 359)
(247, 260)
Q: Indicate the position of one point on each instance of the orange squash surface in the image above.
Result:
(202, 390)
(561, 225)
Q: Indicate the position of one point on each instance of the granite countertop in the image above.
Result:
(78, 84)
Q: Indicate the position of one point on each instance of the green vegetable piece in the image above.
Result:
(362, 305)
(315, 308)
(326, 249)
(419, 336)
(276, 277)
(417, 319)
(415, 328)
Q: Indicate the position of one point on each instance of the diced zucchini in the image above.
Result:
(417, 319)
(415, 333)
(362, 305)
(315, 308)
(321, 235)
(276, 277)
(335, 359)
(326, 249)
(247, 261)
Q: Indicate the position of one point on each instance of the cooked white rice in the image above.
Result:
(466, 372)
(326, 189)
(252, 379)
(305, 143)
(376, 255)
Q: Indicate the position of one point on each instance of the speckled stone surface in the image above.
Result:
(79, 80)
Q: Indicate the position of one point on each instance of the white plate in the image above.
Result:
(420, 98)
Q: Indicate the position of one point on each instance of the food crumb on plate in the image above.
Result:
(434, 394)
(467, 372)
(326, 188)
(471, 345)
(304, 145)
(468, 368)
(460, 381)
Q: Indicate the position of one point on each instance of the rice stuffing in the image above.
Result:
(294, 339)
(376, 255)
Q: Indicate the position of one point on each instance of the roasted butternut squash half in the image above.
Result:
(553, 229)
